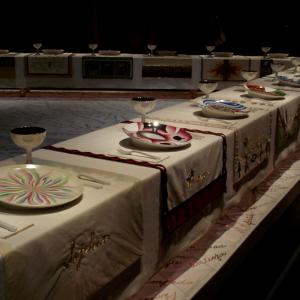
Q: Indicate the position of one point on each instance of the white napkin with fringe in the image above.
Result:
(11, 225)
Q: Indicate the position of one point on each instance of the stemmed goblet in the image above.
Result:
(265, 50)
(143, 105)
(207, 86)
(28, 137)
(210, 48)
(93, 47)
(296, 62)
(37, 47)
(277, 67)
(151, 47)
(249, 75)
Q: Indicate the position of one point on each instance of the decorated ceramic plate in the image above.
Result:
(264, 92)
(4, 51)
(109, 52)
(278, 55)
(53, 51)
(284, 80)
(166, 52)
(223, 112)
(226, 103)
(37, 186)
(222, 54)
(157, 135)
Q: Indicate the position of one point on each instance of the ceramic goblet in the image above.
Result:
(277, 67)
(28, 137)
(143, 105)
(210, 48)
(249, 75)
(207, 86)
(265, 50)
(93, 47)
(296, 62)
(151, 47)
(37, 47)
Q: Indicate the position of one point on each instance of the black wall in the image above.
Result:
(185, 28)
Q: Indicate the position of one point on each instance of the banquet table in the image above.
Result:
(126, 71)
(144, 215)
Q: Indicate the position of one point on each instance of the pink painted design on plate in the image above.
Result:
(158, 134)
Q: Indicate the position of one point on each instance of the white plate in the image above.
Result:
(53, 51)
(233, 105)
(37, 186)
(267, 94)
(278, 55)
(166, 52)
(109, 52)
(157, 136)
(222, 112)
(4, 51)
(222, 54)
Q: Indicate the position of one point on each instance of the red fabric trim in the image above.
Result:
(193, 206)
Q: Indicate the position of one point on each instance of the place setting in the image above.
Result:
(290, 81)
(35, 186)
(262, 92)
(223, 109)
(148, 137)
(218, 108)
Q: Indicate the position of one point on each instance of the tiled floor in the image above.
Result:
(63, 117)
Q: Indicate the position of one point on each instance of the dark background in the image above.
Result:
(186, 28)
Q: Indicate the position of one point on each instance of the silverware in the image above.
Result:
(8, 226)
(92, 179)
(137, 153)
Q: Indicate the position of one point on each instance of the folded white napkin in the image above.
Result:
(141, 157)
(11, 225)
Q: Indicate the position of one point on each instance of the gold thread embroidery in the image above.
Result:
(191, 178)
(202, 177)
(79, 251)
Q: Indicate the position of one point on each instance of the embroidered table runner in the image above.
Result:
(44, 64)
(73, 251)
(174, 216)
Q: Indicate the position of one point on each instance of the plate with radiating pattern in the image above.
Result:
(37, 186)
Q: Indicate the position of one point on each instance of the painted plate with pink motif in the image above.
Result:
(157, 135)
(37, 186)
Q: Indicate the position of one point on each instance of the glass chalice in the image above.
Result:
(265, 50)
(210, 49)
(207, 86)
(249, 75)
(276, 68)
(37, 47)
(143, 105)
(296, 62)
(151, 47)
(93, 47)
(28, 137)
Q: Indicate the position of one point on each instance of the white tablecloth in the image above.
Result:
(51, 236)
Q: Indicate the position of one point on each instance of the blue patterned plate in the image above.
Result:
(284, 80)
(225, 103)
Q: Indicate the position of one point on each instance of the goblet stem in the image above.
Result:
(143, 118)
(28, 156)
